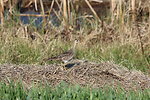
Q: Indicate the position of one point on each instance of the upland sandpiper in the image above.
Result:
(66, 56)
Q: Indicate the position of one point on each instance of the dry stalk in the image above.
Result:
(34, 15)
(43, 12)
(69, 10)
(93, 11)
(30, 2)
(2, 12)
(65, 15)
(59, 5)
(119, 10)
(91, 35)
(141, 43)
(52, 4)
(35, 2)
(133, 9)
(113, 6)
(10, 6)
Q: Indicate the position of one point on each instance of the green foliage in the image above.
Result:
(24, 51)
(126, 55)
(64, 91)
(17, 48)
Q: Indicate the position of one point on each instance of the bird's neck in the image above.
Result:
(74, 46)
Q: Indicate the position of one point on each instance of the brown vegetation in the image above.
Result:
(98, 7)
(85, 73)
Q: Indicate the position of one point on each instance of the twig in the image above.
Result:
(83, 72)
(141, 43)
(34, 15)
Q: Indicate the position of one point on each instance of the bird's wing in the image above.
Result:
(61, 56)
(67, 53)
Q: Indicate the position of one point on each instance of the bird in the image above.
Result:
(67, 56)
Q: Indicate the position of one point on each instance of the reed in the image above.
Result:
(133, 9)
(65, 14)
(2, 12)
(95, 14)
(113, 6)
(43, 12)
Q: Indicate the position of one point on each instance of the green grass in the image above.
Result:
(16, 91)
(23, 50)
(126, 55)
(17, 49)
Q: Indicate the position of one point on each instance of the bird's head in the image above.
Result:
(75, 43)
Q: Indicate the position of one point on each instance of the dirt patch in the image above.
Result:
(83, 73)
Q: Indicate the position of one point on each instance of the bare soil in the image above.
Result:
(84, 73)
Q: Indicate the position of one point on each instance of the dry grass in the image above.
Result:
(25, 44)
(120, 39)
(94, 75)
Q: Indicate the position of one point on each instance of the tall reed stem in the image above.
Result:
(43, 12)
(65, 14)
(2, 12)
(133, 9)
